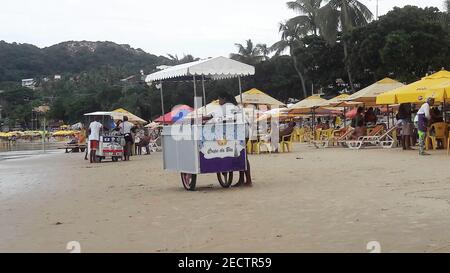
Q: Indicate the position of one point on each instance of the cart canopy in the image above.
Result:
(218, 68)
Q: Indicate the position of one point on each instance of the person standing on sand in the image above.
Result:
(94, 138)
(125, 128)
(404, 120)
(424, 117)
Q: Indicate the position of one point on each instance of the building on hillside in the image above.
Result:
(134, 80)
(29, 83)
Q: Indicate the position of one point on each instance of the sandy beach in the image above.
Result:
(326, 200)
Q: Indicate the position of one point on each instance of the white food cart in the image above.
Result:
(111, 143)
(191, 147)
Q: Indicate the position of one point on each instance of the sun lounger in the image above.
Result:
(372, 138)
(376, 138)
(338, 137)
(388, 139)
(153, 145)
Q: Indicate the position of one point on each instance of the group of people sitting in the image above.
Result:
(362, 121)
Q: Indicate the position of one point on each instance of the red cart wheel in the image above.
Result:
(189, 181)
(225, 179)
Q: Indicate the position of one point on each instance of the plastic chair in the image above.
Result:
(249, 147)
(286, 143)
(262, 143)
(448, 146)
(440, 133)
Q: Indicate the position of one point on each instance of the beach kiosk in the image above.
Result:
(192, 147)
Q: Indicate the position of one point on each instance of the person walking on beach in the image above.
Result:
(424, 118)
(94, 138)
(125, 128)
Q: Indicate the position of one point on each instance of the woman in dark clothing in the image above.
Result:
(370, 116)
(405, 122)
(359, 116)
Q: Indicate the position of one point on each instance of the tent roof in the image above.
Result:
(218, 67)
(255, 96)
(369, 94)
(415, 92)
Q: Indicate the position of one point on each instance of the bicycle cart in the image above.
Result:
(192, 148)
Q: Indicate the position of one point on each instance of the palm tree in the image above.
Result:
(247, 54)
(308, 10)
(342, 15)
(445, 17)
(264, 51)
(291, 35)
(175, 60)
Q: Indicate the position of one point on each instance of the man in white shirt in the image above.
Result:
(424, 116)
(94, 138)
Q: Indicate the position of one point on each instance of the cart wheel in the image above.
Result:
(225, 179)
(115, 159)
(83, 150)
(189, 181)
(99, 159)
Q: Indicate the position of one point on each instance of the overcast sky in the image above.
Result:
(204, 28)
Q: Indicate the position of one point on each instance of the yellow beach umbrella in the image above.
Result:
(305, 106)
(64, 133)
(341, 101)
(280, 113)
(369, 95)
(257, 97)
(417, 92)
(441, 91)
(131, 117)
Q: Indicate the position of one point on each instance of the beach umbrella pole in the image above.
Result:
(43, 137)
(388, 117)
(443, 111)
(345, 117)
(314, 122)
(204, 95)
(162, 102)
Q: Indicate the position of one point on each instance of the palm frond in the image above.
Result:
(328, 19)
